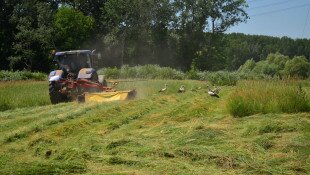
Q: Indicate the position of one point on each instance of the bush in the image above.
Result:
(222, 78)
(255, 97)
(129, 72)
(113, 73)
(193, 75)
(143, 72)
(275, 66)
(248, 66)
(22, 75)
(297, 67)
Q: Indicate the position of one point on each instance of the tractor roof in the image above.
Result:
(73, 52)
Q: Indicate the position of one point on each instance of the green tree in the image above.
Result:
(195, 18)
(7, 30)
(129, 25)
(33, 38)
(272, 65)
(248, 66)
(72, 28)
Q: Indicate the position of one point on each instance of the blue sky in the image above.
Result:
(277, 18)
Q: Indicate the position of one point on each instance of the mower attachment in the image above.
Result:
(108, 96)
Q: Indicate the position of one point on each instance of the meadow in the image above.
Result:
(160, 133)
(18, 94)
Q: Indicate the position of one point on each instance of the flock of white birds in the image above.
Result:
(212, 92)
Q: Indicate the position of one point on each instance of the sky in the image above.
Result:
(278, 18)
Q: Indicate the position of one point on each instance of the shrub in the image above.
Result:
(113, 73)
(275, 66)
(22, 75)
(248, 66)
(129, 72)
(143, 72)
(193, 74)
(297, 67)
(255, 97)
(169, 73)
(222, 78)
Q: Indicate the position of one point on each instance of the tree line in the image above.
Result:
(182, 34)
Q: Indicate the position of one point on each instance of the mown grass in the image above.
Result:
(253, 97)
(157, 133)
(18, 94)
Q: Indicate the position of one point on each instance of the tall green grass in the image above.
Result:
(17, 94)
(21, 75)
(253, 97)
(156, 72)
(221, 78)
(143, 72)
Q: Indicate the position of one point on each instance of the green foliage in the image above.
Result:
(143, 72)
(22, 75)
(167, 33)
(72, 28)
(275, 66)
(112, 73)
(254, 97)
(221, 78)
(33, 36)
(247, 67)
(297, 67)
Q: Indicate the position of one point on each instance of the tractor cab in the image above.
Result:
(73, 61)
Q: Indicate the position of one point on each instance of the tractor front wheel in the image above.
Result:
(55, 95)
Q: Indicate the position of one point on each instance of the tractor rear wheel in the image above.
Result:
(55, 95)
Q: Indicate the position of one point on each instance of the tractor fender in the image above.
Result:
(55, 75)
(86, 73)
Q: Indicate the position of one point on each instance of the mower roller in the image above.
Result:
(75, 79)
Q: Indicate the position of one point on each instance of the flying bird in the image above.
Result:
(214, 92)
(181, 89)
(163, 89)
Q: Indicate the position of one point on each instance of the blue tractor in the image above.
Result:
(74, 76)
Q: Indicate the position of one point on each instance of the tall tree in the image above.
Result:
(7, 30)
(72, 28)
(197, 17)
(33, 39)
(129, 25)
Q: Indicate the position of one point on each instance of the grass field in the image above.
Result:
(18, 94)
(168, 133)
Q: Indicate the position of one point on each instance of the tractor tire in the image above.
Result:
(55, 95)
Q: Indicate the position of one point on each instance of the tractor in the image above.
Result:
(76, 79)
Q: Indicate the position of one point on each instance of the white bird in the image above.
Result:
(181, 89)
(214, 92)
(163, 89)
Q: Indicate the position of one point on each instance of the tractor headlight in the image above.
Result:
(53, 73)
